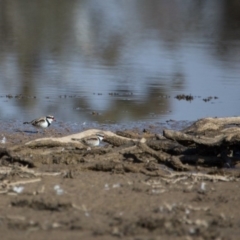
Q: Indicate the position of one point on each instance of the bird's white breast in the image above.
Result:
(43, 124)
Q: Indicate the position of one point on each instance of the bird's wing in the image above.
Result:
(37, 121)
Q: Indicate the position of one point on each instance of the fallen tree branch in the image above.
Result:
(164, 158)
(189, 139)
(211, 124)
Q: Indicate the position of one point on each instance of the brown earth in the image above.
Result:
(65, 199)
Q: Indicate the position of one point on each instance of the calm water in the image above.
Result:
(114, 61)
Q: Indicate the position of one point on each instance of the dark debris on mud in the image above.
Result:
(189, 97)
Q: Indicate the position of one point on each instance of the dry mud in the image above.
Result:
(84, 196)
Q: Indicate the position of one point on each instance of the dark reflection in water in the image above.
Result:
(119, 61)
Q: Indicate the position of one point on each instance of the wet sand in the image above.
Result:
(76, 203)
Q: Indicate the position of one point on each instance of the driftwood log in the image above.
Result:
(209, 142)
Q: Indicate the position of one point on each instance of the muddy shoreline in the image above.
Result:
(66, 201)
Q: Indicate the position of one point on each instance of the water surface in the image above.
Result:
(119, 61)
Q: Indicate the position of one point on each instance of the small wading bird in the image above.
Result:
(92, 141)
(42, 122)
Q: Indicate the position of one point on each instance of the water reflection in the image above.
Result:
(118, 61)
